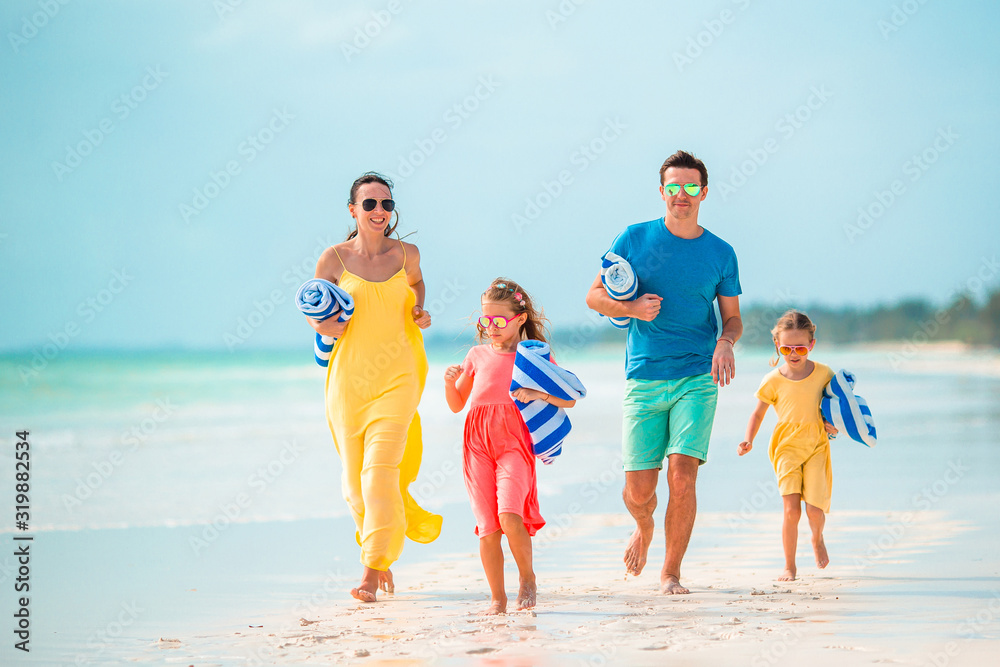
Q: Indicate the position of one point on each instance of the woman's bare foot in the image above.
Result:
(671, 585)
(365, 592)
(385, 582)
(822, 558)
(638, 547)
(788, 574)
(363, 595)
(496, 608)
(526, 595)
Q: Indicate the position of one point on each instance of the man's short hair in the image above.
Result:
(685, 160)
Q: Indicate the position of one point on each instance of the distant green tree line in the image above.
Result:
(916, 320)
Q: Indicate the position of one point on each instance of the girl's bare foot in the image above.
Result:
(638, 547)
(496, 608)
(671, 585)
(526, 596)
(822, 558)
(788, 574)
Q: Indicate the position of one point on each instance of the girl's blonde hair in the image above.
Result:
(506, 291)
(792, 320)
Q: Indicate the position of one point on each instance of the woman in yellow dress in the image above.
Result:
(374, 381)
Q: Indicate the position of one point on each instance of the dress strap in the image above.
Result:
(404, 253)
(342, 259)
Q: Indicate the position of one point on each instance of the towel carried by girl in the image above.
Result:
(548, 424)
(847, 411)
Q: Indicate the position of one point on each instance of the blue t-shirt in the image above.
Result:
(688, 274)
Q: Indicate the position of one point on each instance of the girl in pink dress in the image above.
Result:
(498, 459)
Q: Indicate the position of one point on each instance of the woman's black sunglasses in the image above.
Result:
(370, 204)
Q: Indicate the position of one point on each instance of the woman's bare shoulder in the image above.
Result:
(412, 252)
(330, 266)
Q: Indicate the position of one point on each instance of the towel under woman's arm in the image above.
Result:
(328, 308)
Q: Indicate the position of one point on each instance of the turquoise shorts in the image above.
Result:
(664, 417)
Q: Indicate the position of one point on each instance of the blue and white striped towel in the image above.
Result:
(847, 411)
(620, 282)
(320, 299)
(547, 424)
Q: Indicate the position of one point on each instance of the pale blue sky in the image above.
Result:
(324, 106)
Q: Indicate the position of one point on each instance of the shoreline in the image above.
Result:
(437, 345)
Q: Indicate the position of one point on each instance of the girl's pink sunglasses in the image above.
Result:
(499, 321)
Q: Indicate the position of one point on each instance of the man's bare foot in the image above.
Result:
(365, 592)
(822, 558)
(638, 547)
(526, 596)
(496, 608)
(671, 585)
(385, 582)
(787, 575)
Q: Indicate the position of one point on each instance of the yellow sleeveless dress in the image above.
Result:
(374, 382)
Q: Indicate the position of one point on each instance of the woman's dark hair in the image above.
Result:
(363, 179)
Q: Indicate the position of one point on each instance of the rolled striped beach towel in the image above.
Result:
(547, 424)
(320, 299)
(620, 282)
(847, 411)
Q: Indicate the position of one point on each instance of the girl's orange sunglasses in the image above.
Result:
(801, 350)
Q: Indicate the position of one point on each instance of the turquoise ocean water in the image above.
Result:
(172, 439)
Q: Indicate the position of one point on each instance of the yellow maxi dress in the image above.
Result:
(374, 382)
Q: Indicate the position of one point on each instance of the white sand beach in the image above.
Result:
(872, 610)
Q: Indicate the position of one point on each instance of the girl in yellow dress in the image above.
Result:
(374, 382)
(800, 446)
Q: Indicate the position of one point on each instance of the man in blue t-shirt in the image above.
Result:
(674, 357)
